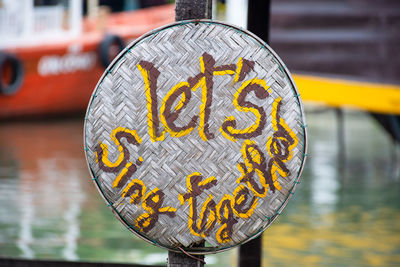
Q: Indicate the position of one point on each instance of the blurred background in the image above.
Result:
(344, 55)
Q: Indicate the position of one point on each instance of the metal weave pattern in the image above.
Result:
(120, 100)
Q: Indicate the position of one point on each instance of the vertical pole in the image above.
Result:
(193, 9)
(75, 17)
(29, 19)
(93, 8)
(236, 12)
(250, 253)
(258, 16)
(189, 9)
(341, 139)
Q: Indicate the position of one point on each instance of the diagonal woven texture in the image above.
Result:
(196, 132)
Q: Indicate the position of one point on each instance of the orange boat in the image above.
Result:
(55, 73)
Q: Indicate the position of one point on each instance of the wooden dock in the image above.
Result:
(355, 40)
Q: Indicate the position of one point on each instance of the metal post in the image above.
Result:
(258, 15)
(189, 9)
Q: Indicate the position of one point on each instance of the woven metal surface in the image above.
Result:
(196, 132)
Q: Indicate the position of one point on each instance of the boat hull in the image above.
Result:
(58, 78)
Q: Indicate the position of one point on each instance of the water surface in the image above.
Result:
(345, 212)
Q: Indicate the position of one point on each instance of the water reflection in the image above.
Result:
(49, 208)
(44, 192)
(341, 218)
(25, 238)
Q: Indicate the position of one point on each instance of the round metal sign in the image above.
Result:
(196, 132)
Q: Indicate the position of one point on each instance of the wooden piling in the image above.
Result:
(189, 9)
(193, 9)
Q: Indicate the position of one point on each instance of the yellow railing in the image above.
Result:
(380, 98)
